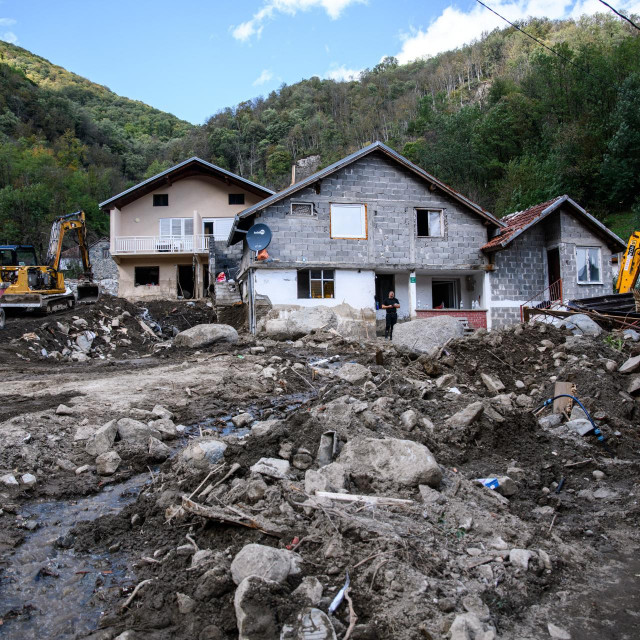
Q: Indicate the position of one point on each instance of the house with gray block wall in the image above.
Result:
(555, 251)
(374, 222)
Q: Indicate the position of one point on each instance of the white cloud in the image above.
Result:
(263, 78)
(342, 73)
(454, 27)
(10, 37)
(253, 27)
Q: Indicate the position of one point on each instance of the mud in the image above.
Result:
(414, 569)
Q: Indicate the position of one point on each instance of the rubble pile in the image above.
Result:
(112, 328)
(357, 490)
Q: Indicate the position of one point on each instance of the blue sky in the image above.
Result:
(195, 57)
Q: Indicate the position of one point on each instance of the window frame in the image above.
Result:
(182, 233)
(589, 281)
(237, 195)
(301, 215)
(429, 210)
(322, 281)
(364, 219)
(148, 284)
(160, 195)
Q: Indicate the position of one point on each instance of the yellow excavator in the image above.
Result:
(26, 285)
(630, 266)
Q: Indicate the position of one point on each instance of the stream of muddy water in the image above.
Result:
(48, 591)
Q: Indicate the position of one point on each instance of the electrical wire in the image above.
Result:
(542, 44)
(629, 20)
(596, 430)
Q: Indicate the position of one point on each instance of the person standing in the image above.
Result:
(391, 304)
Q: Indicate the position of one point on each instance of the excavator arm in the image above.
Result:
(87, 290)
(630, 266)
(58, 230)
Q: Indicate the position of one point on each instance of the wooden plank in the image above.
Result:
(561, 405)
(350, 497)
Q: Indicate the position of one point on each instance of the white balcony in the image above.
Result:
(140, 245)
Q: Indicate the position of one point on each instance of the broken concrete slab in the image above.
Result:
(466, 417)
(581, 426)
(267, 562)
(630, 366)
(204, 335)
(391, 460)
(272, 467)
(332, 477)
(493, 383)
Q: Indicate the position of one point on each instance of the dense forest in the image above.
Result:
(504, 120)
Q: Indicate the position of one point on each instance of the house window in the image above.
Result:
(236, 198)
(219, 228)
(349, 221)
(160, 199)
(176, 227)
(316, 283)
(105, 252)
(144, 276)
(588, 264)
(429, 223)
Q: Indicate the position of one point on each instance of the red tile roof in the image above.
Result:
(516, 222)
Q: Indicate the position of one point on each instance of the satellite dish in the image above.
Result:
(258, 237)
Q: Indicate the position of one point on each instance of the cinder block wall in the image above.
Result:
(575, 234)
(391, 194)
(223, 257)
(521, 270)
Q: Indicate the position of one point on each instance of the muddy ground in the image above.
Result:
(447, 564)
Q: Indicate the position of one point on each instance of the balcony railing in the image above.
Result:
(162, 244)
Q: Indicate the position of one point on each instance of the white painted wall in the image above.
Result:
(424, 283)
(351, 287)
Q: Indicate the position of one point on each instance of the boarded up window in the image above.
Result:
(349, 221)
(302, 209)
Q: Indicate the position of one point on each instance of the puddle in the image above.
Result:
(47, 592)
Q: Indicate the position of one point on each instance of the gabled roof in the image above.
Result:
(240, 220)
(518, 222)
(191, 167)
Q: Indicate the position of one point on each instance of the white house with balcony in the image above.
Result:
(165, 231)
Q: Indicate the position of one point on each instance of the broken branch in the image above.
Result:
(129, 600)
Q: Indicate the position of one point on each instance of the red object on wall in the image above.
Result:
(476, 319)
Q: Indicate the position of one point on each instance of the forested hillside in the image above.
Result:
(503, 120)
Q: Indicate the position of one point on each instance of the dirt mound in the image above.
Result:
(422, 562)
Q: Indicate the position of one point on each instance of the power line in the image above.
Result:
(542, 44)
(629, 20)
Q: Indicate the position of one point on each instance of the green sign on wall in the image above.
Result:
(412, 279)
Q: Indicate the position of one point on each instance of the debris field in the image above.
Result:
(324, 487)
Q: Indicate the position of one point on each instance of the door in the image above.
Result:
(385, 282)
(444, 294)
(553, 262)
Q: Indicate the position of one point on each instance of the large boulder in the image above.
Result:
(391, 460)
(102, 440)
(581, 325)
(267, 562)
(427, 335)
(203, 335)
(292, 325)
(131, 430)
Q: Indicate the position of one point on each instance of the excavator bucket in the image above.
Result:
(87, 293)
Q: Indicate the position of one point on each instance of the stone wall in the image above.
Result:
(104, 267)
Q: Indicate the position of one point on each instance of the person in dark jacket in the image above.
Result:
(391, 304)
